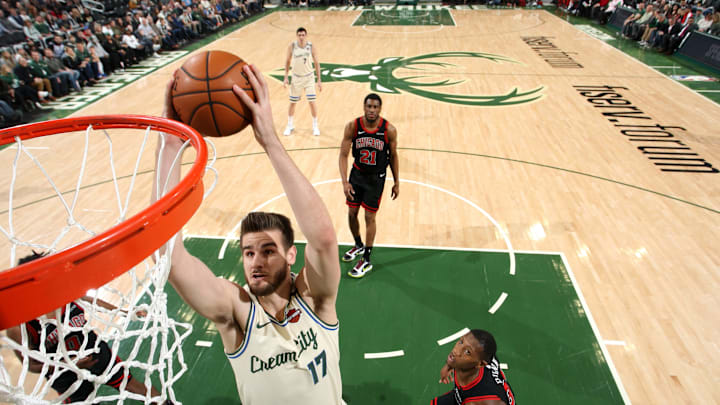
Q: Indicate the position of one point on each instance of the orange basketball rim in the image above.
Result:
(43, 285)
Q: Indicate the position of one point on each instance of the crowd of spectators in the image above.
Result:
(660, 25)
(50, 48)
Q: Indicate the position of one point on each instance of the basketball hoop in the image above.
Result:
(114, 251)
(33, 289)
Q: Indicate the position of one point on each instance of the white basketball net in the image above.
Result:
(139, 330)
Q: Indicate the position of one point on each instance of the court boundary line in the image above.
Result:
(455, 24)
(596, 331)
(352, 24)
(640, 62)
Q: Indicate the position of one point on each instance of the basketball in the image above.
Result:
(203, 97)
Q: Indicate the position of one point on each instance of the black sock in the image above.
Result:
(366, 255)
(358, 241)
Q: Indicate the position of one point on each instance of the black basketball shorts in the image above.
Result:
(368, 189)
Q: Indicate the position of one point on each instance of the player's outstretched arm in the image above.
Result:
(345, 147)
(207, 294)
(322, 266)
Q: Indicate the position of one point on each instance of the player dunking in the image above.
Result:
(301, 55)
(279, 331)
(373, 141)
(476, 372)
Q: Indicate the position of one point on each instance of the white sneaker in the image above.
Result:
(360, 269)
(288, 130)
(316, 131)
(354, 252)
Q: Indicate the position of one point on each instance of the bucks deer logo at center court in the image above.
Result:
(383, 79)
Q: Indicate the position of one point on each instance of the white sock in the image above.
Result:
(290, 121)
(315, 125)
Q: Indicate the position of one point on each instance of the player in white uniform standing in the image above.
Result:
(280, 332)
(301, 56)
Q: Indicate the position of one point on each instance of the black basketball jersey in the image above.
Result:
(490, 384)
(371, 150)
(73, 340)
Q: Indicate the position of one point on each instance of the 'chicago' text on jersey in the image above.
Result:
(368, 142)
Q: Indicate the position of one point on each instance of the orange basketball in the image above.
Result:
(203, 97)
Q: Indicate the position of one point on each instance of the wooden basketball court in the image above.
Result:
(568, 144)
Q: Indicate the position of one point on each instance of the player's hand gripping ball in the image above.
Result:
(203, 93)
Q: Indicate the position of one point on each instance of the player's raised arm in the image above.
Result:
(322, 266)
(210, 296)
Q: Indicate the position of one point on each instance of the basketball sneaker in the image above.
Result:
(288, 130)
(316, 131)
(354, 252)
(360, 269)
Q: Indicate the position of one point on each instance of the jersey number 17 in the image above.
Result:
(320, 361)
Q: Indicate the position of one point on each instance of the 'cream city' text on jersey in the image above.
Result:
(296, 361)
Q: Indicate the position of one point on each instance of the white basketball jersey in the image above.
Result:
(296, 361)
(301, 61)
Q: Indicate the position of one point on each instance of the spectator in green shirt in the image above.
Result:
(22, 96)
(39, 68)
(72, 61)
(57, 67)
(42, 26)
(42, 85)
(83, 54)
